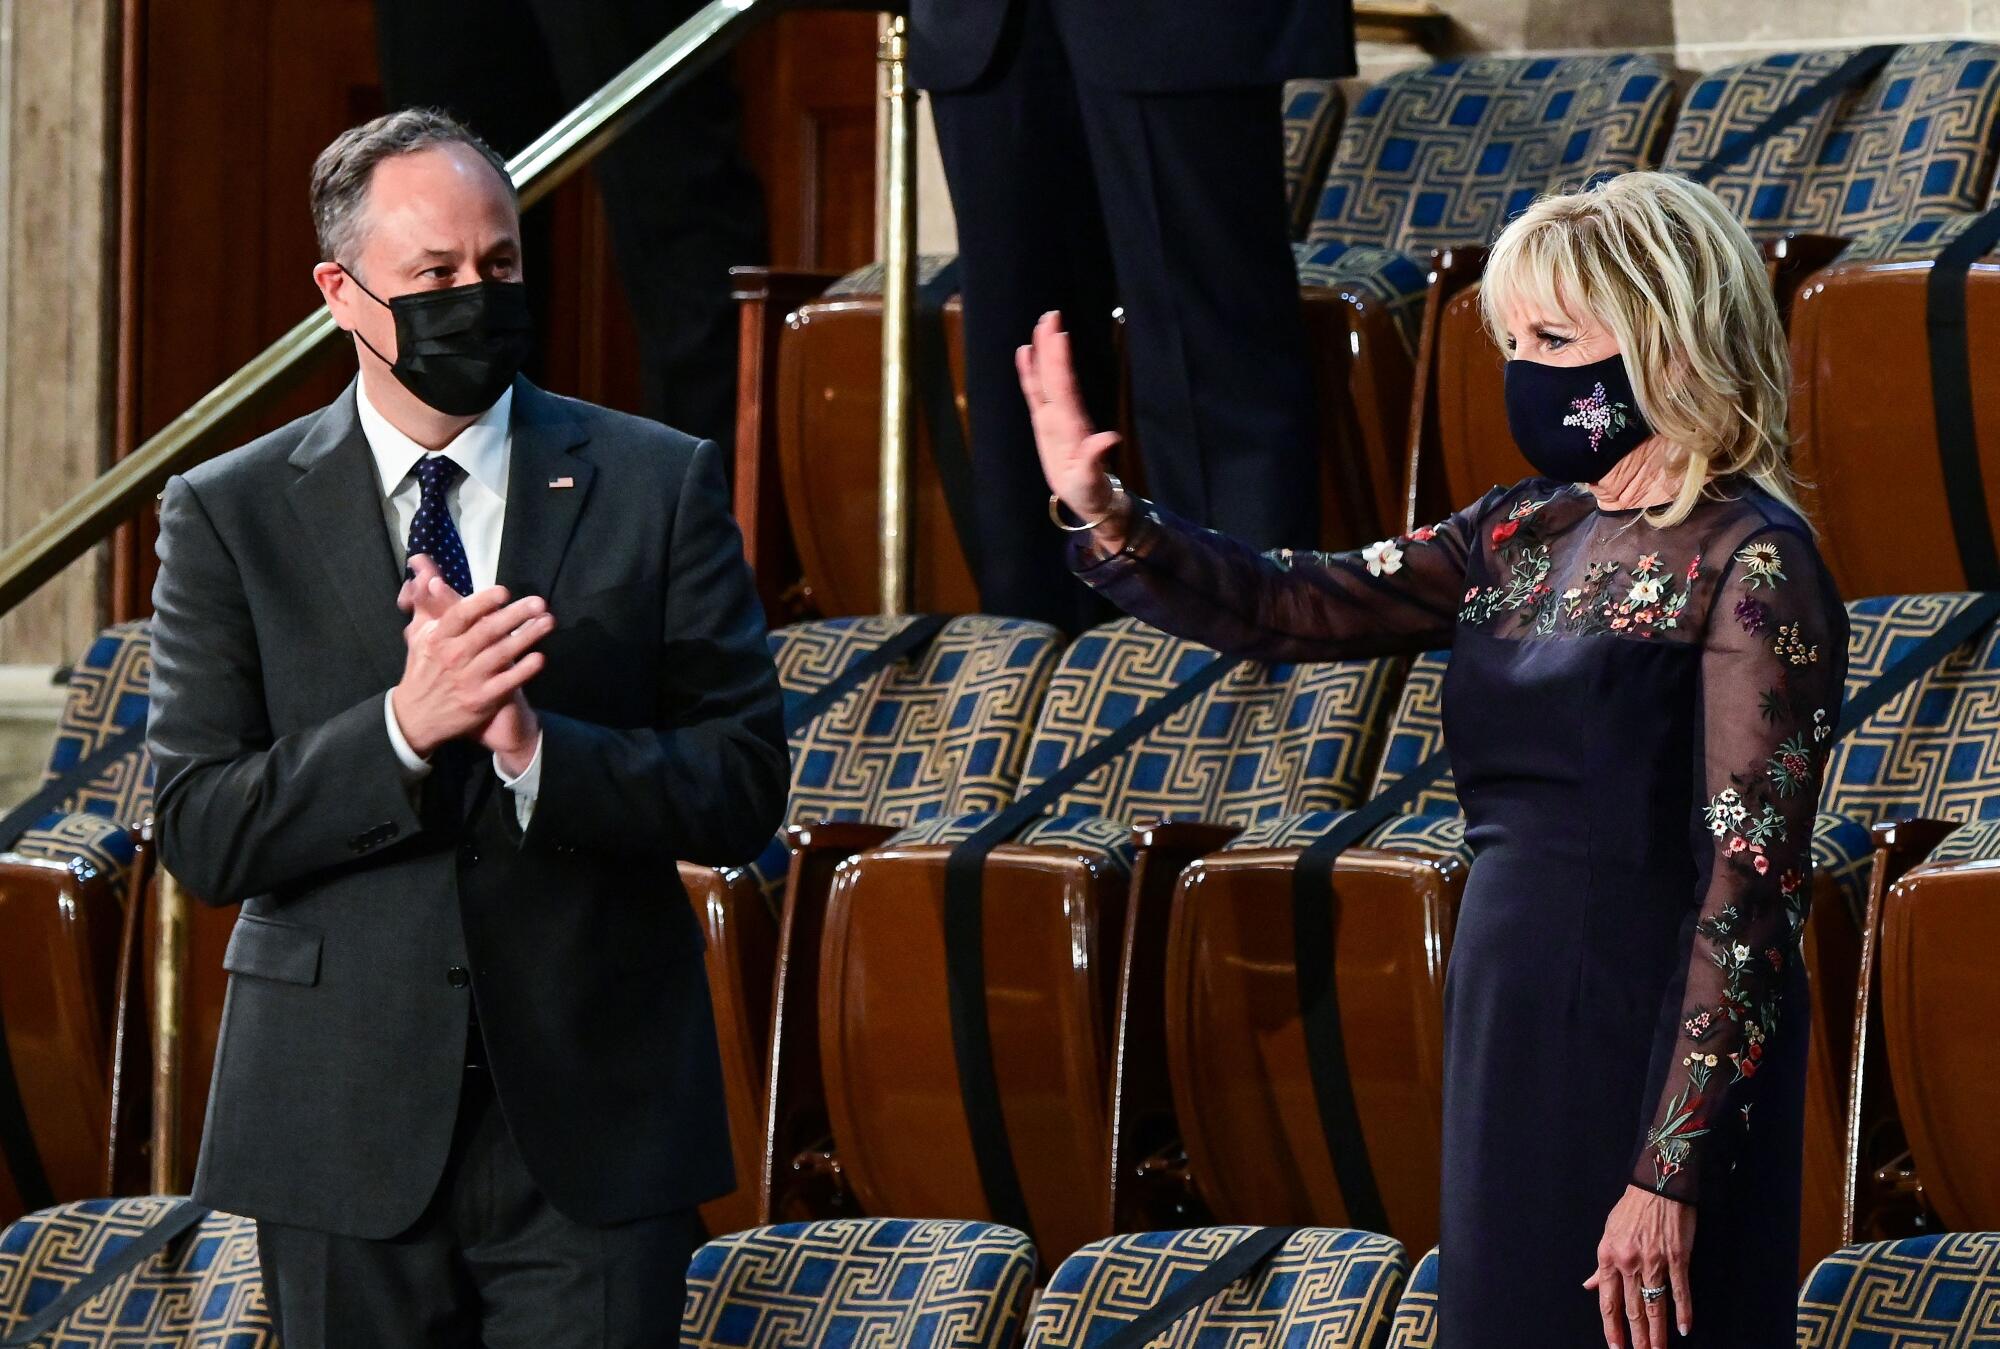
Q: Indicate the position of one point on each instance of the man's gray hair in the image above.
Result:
(341, 174)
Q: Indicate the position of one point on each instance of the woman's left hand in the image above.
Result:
(1645, 1245)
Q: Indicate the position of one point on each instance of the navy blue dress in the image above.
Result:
(1637, 720)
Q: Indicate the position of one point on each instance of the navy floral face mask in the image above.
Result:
(1573, 422)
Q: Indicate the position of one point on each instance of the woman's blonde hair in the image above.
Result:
(1658, 261)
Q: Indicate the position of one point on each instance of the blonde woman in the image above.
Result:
(1647, 664)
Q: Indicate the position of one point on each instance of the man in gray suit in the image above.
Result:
(468, 1080)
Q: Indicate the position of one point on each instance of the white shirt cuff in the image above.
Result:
(526, 785)
(414, 763)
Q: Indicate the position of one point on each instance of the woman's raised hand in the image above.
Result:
(1072, 453)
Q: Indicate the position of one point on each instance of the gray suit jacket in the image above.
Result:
(366, 902)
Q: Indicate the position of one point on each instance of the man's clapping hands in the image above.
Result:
(466, 660)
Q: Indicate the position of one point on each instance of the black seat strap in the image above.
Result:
(1856, 70)
(1313, 927)
(912, 636)
(1240, 1261)
(965, 942)
(137, 1251)
(1951, 400)
(1313, 900)
(931, 361)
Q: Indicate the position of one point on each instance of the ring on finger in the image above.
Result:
(1652, 1293)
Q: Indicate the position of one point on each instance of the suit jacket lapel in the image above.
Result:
(541, 516)
(338, 501)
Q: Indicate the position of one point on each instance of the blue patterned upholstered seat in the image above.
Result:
(1327, 1287)
(1939, 1291)
(940, 738)
(1432, 825)
(107, 694)
(860, 1282)
(1415, 1326)
(1919, 139)
(1263, 742)
(204, 1291)
(1969, 843)
(1933, 750)
(1441, 157)
(1313, 111)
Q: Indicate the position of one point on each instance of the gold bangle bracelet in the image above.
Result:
(1056, 508)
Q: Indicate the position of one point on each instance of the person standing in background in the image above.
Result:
(682, 201)
(1066, 125)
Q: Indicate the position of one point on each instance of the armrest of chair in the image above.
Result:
(1790, 258)
(843, 836)
(1453, 269)
(765, 297)
(1190, 837)
(1901, 844)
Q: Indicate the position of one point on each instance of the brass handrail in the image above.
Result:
(64, 534)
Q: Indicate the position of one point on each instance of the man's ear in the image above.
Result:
(335, 287)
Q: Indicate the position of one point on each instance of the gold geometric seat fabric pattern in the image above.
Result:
(1969, 843)
(1430, 824)
(204, 1291)
(1442, 157)
(1312, 113)
(1934, 748)
(1263, 741)
(107, 694)
(1326, 1287)
(1918, 139)
(1415, 1326)
(860, 1282)
(937, 736)
(1940, 1291)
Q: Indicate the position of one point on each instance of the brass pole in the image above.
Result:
(899, 289)
(169, 961)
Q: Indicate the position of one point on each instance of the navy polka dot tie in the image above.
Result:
(431, 531)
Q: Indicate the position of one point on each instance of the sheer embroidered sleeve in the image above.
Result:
(1398, 595)
(1772, 664)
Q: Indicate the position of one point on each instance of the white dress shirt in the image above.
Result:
(478, 506)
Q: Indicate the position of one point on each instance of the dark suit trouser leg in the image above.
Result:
(682, 201)
(1030, 239)
(1193, 193)
(490, 1263)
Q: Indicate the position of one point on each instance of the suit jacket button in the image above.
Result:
(458, 976)
(469, 855)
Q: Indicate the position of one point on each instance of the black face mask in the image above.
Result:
(458, 349)
(1573, 422)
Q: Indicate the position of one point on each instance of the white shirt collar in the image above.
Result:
(481, 449)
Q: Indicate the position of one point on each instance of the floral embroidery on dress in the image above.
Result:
(1383, 558)
(1643, 601)
(1597, 414)
(1792, 648)
(1762, 566)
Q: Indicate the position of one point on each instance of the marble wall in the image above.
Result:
(58, 179)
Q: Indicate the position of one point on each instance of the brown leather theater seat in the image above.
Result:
(1248, 1115)
(1073, 919)
(941, 732)
(1940, 928)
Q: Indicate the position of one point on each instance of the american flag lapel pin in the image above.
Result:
(564, 481)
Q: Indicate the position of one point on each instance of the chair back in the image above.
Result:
(1940, 926)
(1416, 1326)
(860, 1281)
(1265, 740)
(1312, 113)
(1917, 138)
(1442, 156)
(107, 695)
(1940, 1289)
(1327, 1287)
(1933, 749)
(204, 1288)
